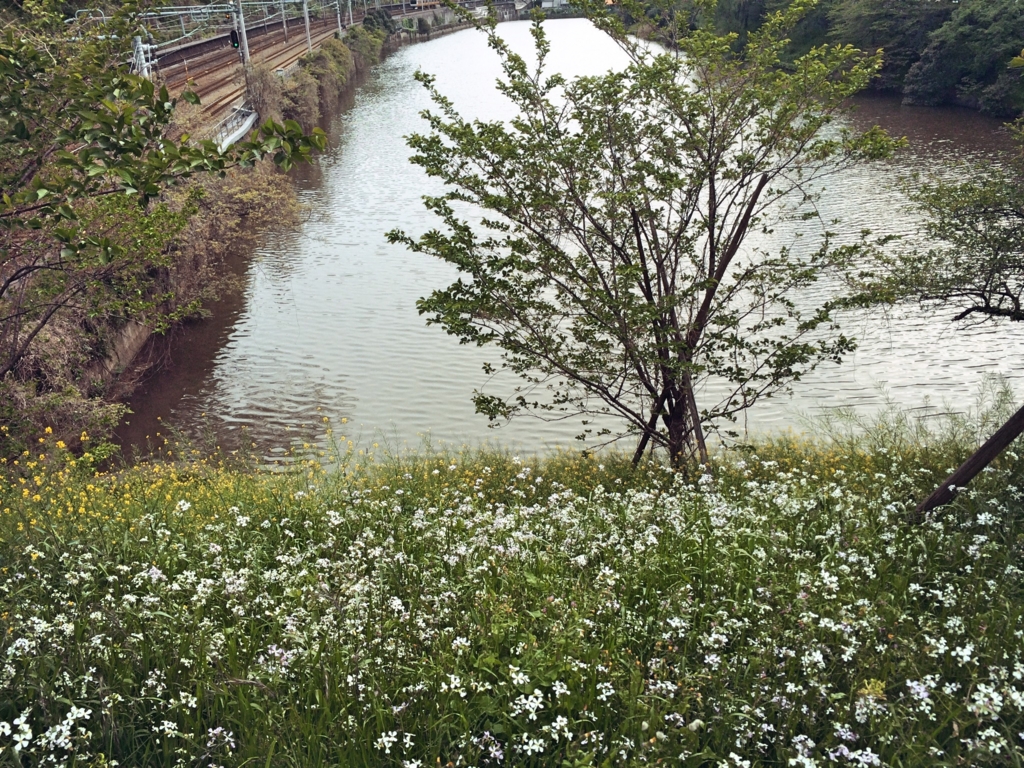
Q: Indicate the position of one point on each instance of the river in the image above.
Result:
(326, 324)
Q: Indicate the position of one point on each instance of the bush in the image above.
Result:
(331, 65)
(266, 92)
(366, 45)
(302, 100)
(378, 20)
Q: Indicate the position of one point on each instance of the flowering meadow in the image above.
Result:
(475, 609)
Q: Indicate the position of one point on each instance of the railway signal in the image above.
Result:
(234, 38)
(242, 37)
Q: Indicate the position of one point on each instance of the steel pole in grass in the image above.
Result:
(284, 21)
(337, 9)
(350, 21)
(305, 17)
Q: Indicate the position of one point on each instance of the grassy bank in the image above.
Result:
(475, 609)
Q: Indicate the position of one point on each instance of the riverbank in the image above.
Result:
(477, 609)
(257, 198)
(326, 323)
(77, 376)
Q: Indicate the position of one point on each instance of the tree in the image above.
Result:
(965, 59)
(974, 264)
(77, 128)
(900, 27)
(974, 268)
(612, 265)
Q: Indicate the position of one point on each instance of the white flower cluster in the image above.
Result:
(784, 619)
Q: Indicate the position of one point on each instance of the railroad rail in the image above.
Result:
(214, 66)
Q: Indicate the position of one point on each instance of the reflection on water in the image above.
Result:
(327, 324)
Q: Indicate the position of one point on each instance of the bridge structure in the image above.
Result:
(209, 45)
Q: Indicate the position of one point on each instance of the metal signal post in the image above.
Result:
(240, 17)
(305, 17)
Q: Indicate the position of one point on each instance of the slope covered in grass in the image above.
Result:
(474, 609)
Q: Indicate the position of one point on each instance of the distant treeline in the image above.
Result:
(936, 51)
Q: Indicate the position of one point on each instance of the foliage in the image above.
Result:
(611, 267)
(936, 51)
(966, 59)
(379, 20)
(901, 29)
(301, 100)
(366, 45)
(86, 156)
(477, 609)
(331, 65)
(974, 263)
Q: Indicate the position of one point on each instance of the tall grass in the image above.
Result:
(475, 608)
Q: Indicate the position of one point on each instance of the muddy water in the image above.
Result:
(326, 323)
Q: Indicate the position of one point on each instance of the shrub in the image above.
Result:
(331, 65)
(266, 92)
(302, 100)
(379, 20)
(366, 46)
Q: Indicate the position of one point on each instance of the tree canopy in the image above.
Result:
(935, 51)
(612, 265)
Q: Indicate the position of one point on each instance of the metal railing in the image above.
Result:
(234, 126)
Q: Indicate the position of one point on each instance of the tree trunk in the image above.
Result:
(676, 425)
(698, 430)
(682, 421)
(981, 458)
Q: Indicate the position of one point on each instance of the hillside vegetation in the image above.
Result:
(476, 609)
(936, 51)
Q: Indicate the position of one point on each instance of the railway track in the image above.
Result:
(216, 69)
(218, 75)
(234, 86)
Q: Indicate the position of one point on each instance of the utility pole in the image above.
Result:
(284, 21)
(243, 38)
(350, 22)
(305, 16)
(337, 9)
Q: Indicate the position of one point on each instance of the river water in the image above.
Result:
(326, 324)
